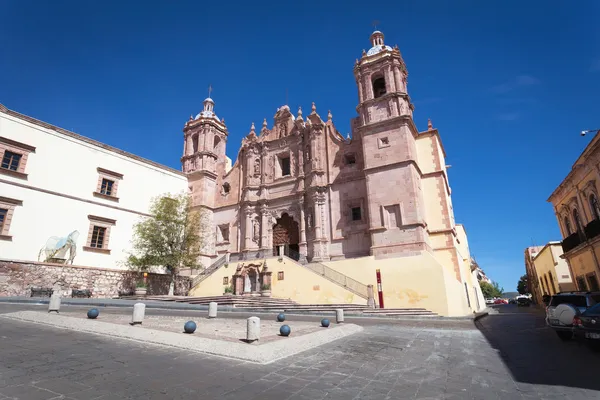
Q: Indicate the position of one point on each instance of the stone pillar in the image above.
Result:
(339, 315)
(360, 89)
(264, 216)
(54, 304)
(252, 329)
(248, 234)
(389, 78)
(212, 310)
(139, 312)
(317, 217)
(302, 225)
(398, 79)
(582, 212)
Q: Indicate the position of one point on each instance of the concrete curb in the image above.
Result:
(260, 354)
(479, 315)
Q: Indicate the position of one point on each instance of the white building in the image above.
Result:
(54, 182)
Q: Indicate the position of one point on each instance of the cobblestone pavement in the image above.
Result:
(510, 355)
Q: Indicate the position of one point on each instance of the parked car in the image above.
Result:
(489, 301)
(587, 327)
(564, 307)
(523, 301)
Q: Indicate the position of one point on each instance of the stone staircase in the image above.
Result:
(286, 305)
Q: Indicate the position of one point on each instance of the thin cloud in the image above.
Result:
(508, 116)
(519, 82)
(595, 67)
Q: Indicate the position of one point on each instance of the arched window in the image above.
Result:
(576, 220)
(216, 142)
(379, 87)
(195, 143)
(594, 206)
(567, 226)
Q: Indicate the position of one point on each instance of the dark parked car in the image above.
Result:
(564, 307)
(587, 327)
(523, 301)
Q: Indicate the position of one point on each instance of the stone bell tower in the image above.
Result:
(388, 133)
(204, 159)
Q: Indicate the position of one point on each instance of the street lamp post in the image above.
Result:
(583, 133)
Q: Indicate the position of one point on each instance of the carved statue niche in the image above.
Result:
(257, 166)
(307, 152)
(283, 129)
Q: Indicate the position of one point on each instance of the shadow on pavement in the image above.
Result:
(534, 354)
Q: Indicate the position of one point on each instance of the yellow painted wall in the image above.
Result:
(432, 203)
(415, 281)
(307, 287)
(425, 154)
(299, 284)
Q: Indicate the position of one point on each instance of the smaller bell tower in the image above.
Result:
(205, 139)
(388, 135)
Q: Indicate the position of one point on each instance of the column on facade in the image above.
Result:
(389, 77)
(264, 222)
(264, 163)
(360, 89)
(317, 216)
(582, 209)
(302, 225)
(248, 235)
(398, 78)
(313, 150)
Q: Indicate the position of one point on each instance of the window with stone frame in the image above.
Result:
(593, 282)
(350, 159)
(280, 275)
(581, 283)
(226, 280)
(14, 157)
(391, 216)
(354, 211)
(567, 226)
(284, 165)
(99, 234)
(108, 183)
(383, 142)
(7, 209)
(223, 233)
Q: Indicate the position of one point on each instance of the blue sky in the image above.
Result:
(509, 85)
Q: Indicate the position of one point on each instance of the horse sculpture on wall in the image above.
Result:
(56, 249)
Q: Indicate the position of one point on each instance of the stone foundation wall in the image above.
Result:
(17, 278)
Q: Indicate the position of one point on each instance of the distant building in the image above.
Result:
(547, 272)
(576, 206)
(479, 273)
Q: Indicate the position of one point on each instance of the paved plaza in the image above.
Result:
(510, 355)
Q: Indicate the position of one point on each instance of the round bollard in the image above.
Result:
(285, 330)
(93, 313)
(325, 323)
(189, 327)
(280, 317)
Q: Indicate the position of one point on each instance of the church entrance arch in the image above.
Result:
(286, 237)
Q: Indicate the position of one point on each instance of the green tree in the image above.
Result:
(172, 237)
(490, 290)
(487, 289)
(523, 285)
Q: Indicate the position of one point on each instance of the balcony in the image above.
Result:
(592, 229)
(571, 241)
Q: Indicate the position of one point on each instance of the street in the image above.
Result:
(509, 355)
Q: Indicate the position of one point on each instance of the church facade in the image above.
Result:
(299, 187)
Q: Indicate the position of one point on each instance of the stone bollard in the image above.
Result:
(54, 304)
(139, 311)
(253, 329)
(339, 315)
(212, 310)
